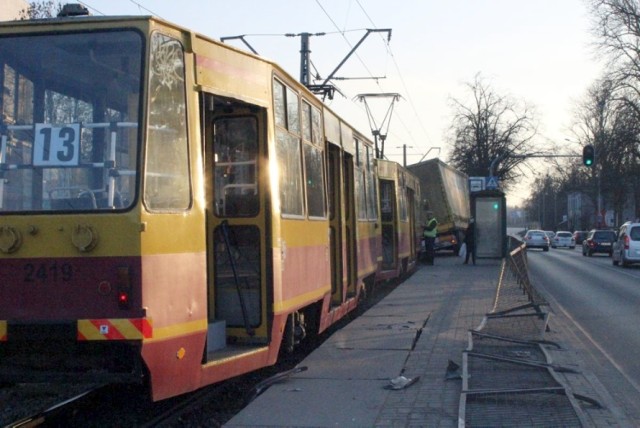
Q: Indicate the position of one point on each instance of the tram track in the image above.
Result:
(53, 414)
(128, 406)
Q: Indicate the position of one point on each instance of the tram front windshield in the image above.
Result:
(70, 121)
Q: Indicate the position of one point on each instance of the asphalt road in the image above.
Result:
(601, 299)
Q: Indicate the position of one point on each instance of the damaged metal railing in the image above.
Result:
(507, 375)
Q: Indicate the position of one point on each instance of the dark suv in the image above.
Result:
(598, 241)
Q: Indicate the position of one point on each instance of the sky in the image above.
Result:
(536, 52)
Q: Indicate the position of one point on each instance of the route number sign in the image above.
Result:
(56, 145)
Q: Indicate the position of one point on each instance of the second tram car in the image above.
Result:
(174, 210)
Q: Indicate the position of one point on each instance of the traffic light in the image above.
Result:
(588, 155)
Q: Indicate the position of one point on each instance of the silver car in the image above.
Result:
(563, 240)
(536, 239)
(626, 248)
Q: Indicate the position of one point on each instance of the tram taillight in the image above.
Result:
(124, 286)
(123, 299)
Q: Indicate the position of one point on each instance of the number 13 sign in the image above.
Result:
(56, 145)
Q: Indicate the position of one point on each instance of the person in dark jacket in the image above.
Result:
(470, 240)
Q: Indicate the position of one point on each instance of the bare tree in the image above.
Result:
(610, 124)
(618, 30)
(492, 127)
(41, 9)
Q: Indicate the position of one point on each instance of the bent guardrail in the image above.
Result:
(507, 375)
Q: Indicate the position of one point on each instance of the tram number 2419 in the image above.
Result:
(48, 272)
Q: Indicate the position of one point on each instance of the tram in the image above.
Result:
(176, 211)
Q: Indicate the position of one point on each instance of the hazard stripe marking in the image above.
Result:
(115, 329)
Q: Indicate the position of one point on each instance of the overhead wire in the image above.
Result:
(88, 6)
(343, 36)
(140, 6)
(402, 80)
(378, 83)
(342, 32)
(356, 54)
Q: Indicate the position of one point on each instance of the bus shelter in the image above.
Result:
(488, 207)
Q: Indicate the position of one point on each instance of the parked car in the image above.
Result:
(579, 236)
(563, 240)
(536, 239)
(598, 241)
(626, 249)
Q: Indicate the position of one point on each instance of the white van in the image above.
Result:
(626, 249)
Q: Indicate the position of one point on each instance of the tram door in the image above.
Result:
(351, 259)
(389, 224)
(411, 213)
(342, 226)
(236, 223)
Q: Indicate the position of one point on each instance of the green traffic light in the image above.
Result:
(588, 155)
(496, 205)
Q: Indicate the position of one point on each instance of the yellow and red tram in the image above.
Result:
(174, 210)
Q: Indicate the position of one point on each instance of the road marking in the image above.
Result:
(594, 343)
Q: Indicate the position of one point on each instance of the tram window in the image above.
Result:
(372, 196)
(289, 158)
(387, 201)
(280, 110)
(167, 183)
(236, 156)
(314, 181)
(313, 160)
(306, 121)
(286, 106)
(69, 144)
(293, 112)
(402, 201)
(360, 181)
(288, 150)
(316, 127)
(360, 194)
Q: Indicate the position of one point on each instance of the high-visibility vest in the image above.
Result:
(433, 232)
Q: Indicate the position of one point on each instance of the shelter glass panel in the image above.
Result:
(489, 227)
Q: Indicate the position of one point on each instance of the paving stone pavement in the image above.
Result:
(416, 331)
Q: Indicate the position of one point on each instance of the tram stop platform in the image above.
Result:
(412, 361)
